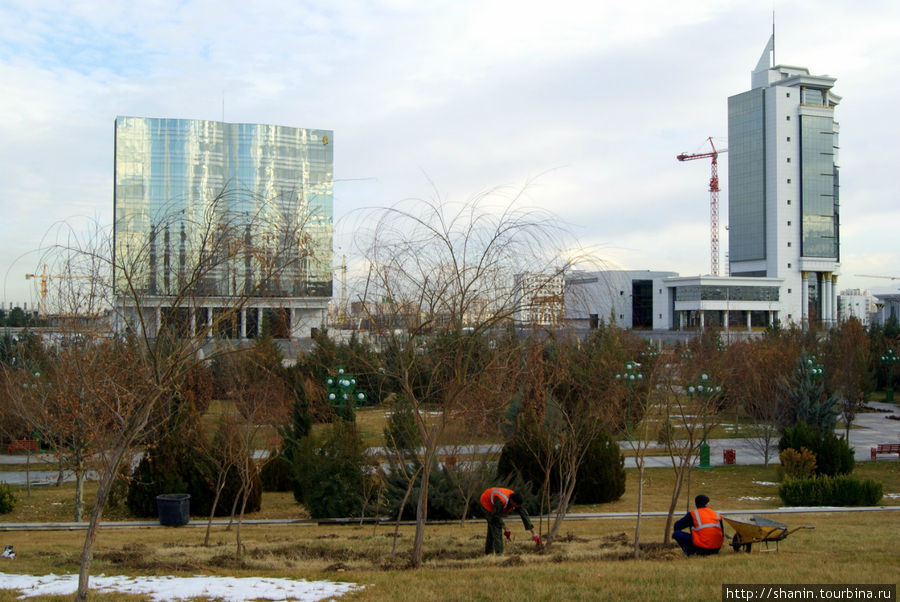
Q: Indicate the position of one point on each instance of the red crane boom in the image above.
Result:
(713, 200)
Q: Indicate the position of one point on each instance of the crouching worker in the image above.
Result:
(706, 530)
(496, 502)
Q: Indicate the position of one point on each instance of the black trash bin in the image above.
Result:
(174, 509)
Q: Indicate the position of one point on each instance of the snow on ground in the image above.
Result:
(181, 588)
(764, 483)
(756, 499)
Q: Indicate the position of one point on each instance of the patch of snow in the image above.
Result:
(765, 483)
(756, 499)
(162, 588)
(892, 495)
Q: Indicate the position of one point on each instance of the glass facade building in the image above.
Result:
(784, 187)
(172, 176)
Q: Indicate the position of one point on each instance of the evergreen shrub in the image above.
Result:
(7, 499)
(834, 455)
(601, 477)
(796, 464)
(841, 490)
(277, 473)
(332, 471)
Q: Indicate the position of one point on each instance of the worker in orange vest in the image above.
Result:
(496, 502)
(706, 533)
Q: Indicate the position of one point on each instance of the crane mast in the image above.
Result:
(713, 200)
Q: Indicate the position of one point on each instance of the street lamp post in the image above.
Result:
(631, 377)
(889, 358)
(703, 388)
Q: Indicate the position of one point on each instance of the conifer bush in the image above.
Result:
(332, 471)
(841, 490)
(834, 455)
(7, 499)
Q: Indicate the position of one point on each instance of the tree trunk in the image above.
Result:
(28, 473)
(220, 485)
(79, 494)
(673, 502)
(418, 550)
(103, 488)
(640, 502)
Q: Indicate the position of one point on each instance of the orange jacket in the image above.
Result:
(707, 529)
(493, 494)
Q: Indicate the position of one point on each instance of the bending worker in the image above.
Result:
(706, 529)
(496, 502)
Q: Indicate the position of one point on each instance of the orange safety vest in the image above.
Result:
(707, 531)
(489, 495)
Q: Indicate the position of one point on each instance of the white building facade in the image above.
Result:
(783, 196)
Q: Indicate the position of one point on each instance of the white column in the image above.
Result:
(259, 316)
(725, 319)
(209, 322)
(834, 300)
(749, 321)
(702, 320)
(158, 320)
(681, 320)
(804, 300)
(244, 323)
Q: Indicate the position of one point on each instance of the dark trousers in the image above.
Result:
(493, 543)
(688, 547)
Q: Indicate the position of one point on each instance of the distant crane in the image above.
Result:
(44, 278)
(713, 200)
(873, 276)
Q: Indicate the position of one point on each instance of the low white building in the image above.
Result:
(856, 303)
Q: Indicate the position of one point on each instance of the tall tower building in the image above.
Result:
(173, 177)
(783, 187)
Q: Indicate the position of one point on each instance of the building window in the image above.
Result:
(789, 243)
(789, 291)
(788, 159)
(789, 222)
(789, 201)
(788, 180)
(789, 266)
(788, 138)
(787, 118)
(787, 95)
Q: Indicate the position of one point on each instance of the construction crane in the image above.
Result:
(713, 200)
(44, 279)
(873, 276)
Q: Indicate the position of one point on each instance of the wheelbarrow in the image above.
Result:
(756, 529)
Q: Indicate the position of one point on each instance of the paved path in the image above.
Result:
(870, 429)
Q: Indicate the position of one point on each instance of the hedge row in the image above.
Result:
(841, 490)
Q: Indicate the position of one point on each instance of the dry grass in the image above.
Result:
(591, 560)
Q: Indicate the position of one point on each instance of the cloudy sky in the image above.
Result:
(585, 104)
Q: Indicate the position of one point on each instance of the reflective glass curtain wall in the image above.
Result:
(172, 174)
(819, 190)
(746, 176)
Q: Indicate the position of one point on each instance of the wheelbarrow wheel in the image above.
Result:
(737, 542)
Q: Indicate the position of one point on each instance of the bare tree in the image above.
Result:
(756, 370)
(848, 369)
(692, 406)
(443, 277)
(642, 399)
(164, 311)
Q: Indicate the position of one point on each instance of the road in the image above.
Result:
(870, 429)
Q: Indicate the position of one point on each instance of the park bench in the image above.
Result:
(885, 448)
(22, 445)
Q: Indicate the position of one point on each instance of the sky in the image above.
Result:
(581, 106)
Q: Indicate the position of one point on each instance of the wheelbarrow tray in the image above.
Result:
(756, 529)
